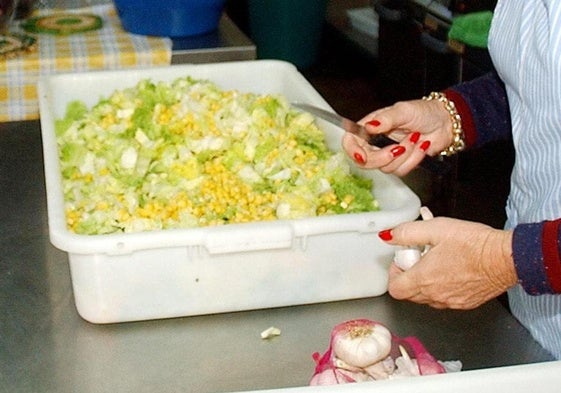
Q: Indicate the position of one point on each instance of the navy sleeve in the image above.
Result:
(483, 106)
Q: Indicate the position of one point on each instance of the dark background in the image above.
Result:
(355, 82)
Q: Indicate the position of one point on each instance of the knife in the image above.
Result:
(435, 165)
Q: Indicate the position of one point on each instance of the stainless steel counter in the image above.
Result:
(46, 347)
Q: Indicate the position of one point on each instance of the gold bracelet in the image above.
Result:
(458, 143)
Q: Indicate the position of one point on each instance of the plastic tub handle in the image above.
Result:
(229, 239)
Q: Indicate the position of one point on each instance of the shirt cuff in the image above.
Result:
(468, 124)
(551, 254)
(528, 258)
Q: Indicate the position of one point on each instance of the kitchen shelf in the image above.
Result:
(227, 43)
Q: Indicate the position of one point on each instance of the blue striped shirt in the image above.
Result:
(525, 45)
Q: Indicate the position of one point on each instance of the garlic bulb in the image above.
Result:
(361, 342)
(363, 350)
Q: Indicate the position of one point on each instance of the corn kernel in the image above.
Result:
(221, 196)
(102, 206)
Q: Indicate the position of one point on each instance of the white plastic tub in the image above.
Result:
(162, 274)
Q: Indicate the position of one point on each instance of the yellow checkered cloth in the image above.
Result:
(110, 47)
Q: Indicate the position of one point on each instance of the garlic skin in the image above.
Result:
(361, 342)
(363, 350)
(338, 376)
(381, 370)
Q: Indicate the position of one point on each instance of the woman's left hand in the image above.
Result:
(467, 265)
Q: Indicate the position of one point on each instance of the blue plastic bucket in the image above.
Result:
(170, 18)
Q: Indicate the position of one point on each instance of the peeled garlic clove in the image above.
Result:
(405, 365)
(361, 342)
(426, 363)
(426, 214)
(407, 257)
(270, 332)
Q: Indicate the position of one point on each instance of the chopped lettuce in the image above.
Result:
(187, 154)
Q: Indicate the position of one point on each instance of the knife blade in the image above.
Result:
(434, 164)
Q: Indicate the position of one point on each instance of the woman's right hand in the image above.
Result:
(420, 127)
(468, 263)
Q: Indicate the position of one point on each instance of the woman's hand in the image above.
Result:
(421, 127)
(467, 265)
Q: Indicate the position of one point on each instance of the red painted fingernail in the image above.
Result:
(374, 123)
(385, 235)
(359, 158)
(414, 138)
(398, 150)
(425, 145)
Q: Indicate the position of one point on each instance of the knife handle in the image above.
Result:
(437, 165)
